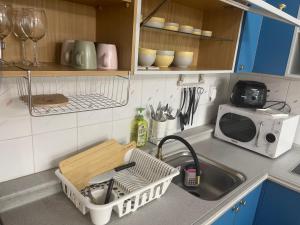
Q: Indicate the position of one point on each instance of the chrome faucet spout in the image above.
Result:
(190, 148)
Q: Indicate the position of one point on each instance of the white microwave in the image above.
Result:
(266, 134)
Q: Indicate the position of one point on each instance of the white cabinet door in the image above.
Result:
(265, 9)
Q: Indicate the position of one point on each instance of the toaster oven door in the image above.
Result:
(237, 127)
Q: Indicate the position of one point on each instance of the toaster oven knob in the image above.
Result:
(271, 138)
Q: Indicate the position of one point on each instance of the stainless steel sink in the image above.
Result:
(216, 180)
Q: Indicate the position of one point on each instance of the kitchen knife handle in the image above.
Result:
(126, 166)
(109, 191)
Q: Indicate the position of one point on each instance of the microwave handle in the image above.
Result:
(258, 134)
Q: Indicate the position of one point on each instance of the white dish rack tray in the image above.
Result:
(133, 188)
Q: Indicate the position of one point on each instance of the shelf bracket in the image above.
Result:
(153, 12)
(180, 82)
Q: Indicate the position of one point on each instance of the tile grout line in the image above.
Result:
(32, 146)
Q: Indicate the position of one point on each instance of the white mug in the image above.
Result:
(107, 58)
(66, 52)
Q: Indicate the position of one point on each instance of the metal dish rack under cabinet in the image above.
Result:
(81, 93)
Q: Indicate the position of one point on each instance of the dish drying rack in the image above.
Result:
(133, 188)
(83, 93)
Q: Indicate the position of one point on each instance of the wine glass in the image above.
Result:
(34, 25)
(18, 16)
(5, 27)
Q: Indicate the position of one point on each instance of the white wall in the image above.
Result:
(29, 144)
(281, 89)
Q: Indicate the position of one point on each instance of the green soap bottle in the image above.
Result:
(139, 132)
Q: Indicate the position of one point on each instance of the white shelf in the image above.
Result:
(178, 71)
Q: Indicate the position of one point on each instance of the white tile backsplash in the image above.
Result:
(93, 117)
(153, 90)
(50, 148)
(89, 135)
(47, 140)
(53, 123)
(16, 158)
(121, 130)
(14, 117)
(135, 100)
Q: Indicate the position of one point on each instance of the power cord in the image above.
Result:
(282, 103)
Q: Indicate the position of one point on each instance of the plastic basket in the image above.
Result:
(134, 187)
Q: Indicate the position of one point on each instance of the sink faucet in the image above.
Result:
(190, 148)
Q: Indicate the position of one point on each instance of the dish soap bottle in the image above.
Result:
(139, 132)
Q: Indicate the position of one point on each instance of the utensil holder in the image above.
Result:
(172, 126)
(158, 130)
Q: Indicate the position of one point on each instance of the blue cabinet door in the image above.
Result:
(248, 206)
(265, 43)
(246, 210)
(278, 206)
(248, 43)
(226, 219)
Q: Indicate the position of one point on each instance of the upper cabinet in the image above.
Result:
(266, 25)
(211, 52)
(199, 36)
(266, 42)
(104, 21)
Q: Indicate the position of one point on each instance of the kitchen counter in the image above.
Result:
(176, 207)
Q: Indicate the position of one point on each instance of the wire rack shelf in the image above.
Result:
(47, 96)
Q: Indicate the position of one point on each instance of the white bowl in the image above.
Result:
(206, 33)
(157, 19)
(146, 56)
(183, 59)
(156, 22)
(186, 29)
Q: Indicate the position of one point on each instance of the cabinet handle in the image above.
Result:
(243, 202)
(242, 67)
(282, 6)
(235, 209)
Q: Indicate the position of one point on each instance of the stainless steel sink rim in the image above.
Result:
(230, 174)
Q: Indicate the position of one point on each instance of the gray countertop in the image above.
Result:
(176, 207)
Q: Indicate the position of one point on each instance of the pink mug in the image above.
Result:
(107, 58)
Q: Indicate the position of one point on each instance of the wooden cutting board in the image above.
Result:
(46, 100)
(80, 168)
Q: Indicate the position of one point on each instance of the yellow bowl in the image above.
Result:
(157, 19)
(186, 29)
(197, 31)
(163, 60)
(171, 26)
(207, 33)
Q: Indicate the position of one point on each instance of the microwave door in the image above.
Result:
(237, 127)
